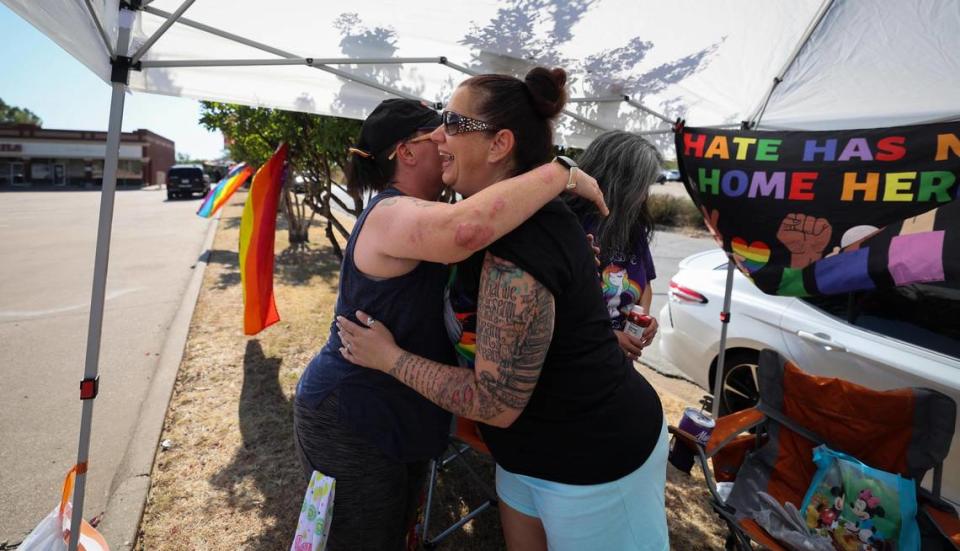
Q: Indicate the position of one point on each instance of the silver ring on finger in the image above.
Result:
(370, 321)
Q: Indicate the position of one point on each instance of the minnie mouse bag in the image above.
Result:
(860, 508)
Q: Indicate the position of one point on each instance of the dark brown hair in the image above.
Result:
(526, 107)
(369, 174)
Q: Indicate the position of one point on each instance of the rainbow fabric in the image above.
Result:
(224, 190)
(257, 229)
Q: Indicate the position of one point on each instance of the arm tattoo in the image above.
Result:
(515, 315)
(514, 329)
(390, 201)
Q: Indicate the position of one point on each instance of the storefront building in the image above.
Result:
(31, 156)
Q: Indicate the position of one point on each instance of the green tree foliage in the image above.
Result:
(10, 114)
(318, 155)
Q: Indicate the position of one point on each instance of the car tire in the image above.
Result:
(169, 196)
(740, 389)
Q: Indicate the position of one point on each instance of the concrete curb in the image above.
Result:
(131, 483)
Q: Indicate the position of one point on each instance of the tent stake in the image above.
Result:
(101, 262)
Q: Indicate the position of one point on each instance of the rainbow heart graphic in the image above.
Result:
(755, 255)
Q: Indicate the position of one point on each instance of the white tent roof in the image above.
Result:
(865, 64)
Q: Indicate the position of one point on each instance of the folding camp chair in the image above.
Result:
(906, 431)
(464, 440)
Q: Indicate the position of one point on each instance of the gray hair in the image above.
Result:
(625, 165)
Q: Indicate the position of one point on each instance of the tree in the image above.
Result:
(10, 114)
(317, 157)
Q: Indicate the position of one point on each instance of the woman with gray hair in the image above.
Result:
(625, 165)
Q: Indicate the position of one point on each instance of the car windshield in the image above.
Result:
(185, 173)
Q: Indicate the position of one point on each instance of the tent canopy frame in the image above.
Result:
(123, 64)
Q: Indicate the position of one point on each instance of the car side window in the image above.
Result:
(923, 314)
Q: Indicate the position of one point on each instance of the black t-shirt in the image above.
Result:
(591, 418)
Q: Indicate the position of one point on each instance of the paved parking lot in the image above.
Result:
(47, 242)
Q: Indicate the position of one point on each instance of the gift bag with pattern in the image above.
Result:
(315, 515)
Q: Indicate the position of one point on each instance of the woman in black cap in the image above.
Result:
(364, 428)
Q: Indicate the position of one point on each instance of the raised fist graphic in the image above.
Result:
(805, 237)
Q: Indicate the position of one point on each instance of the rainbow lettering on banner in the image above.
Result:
(820, 212)
(802, 185)
(219, 195)
(257, 229)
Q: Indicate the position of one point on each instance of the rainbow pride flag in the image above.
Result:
(257, 229)
(224, 189)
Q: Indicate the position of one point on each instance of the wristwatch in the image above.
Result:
(572, 166)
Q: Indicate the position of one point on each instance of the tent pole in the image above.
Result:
(611, 99)
(725, 320)
(281, 53)
(758, 111)
(99, 25)
(154, 64)
(95, 326)
(646, 109)
(159, 32)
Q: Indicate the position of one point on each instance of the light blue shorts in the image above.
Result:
(624, 514)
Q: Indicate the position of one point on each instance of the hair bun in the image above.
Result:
(547, 89)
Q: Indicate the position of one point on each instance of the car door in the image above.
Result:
(903, 337)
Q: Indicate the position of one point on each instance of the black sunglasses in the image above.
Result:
(455, 123)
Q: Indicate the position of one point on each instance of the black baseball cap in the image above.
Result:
(394, 120)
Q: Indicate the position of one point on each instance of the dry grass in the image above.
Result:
(231, 479)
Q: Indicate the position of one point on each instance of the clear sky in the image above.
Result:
(37, 74)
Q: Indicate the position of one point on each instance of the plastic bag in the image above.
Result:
(860, 507)
(315, 515)
(53, 532)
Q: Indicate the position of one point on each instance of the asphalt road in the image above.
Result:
(668, 249)
(47, 242)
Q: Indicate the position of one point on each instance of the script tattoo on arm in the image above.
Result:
(413, 201)
(515, 319)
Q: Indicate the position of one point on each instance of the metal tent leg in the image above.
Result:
(725, 320)
(95, 327)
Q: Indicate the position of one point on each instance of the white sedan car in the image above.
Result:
(907, 336)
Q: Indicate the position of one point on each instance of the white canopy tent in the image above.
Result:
(634, 64)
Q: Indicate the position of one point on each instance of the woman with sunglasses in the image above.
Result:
(578, 435)
(625, 165)
(373, 435)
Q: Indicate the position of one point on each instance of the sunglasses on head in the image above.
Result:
(455, 123)
(416, 139)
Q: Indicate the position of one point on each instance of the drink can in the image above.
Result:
(700, 425)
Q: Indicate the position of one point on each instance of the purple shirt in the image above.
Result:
(624, 277)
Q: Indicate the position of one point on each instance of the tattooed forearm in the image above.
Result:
(452, 388)
(514, 329)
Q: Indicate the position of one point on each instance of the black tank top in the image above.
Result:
(393, 417)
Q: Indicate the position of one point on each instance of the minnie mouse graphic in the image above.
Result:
(866, 508)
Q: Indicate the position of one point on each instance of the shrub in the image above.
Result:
(672, 211)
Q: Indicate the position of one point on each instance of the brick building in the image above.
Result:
(31, 156)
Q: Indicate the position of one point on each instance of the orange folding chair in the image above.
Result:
(768, 448)
(465, 439)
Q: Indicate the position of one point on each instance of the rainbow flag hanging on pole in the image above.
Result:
(224, 190)
(257, 229)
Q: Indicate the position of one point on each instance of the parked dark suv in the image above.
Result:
(185, 180)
